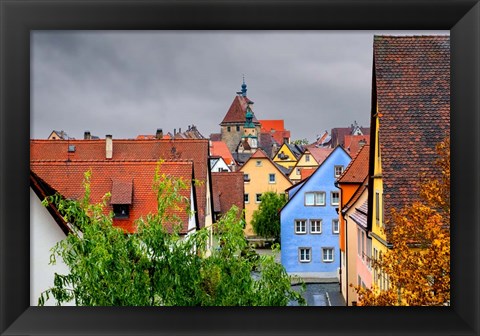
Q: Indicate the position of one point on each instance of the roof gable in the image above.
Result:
(238, 109)
(324, 165)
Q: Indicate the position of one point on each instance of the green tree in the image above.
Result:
(154, 267)
(266, 219)
(418, 265)
(300, 142)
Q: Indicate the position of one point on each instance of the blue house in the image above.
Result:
(309, 221)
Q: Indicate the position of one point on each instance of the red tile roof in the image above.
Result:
(121, 191)
(236, 112)
(352, 143)
(195, 150)
(412, 82)
(275, 125)
(219, 148)
(306, 172)
(228, 190)
(357, 169)
(319, 154)
(67, 179)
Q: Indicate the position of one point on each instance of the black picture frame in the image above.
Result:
(19, 17)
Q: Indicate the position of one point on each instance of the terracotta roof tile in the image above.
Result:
(357, 169)
(320, 154)
(124, 150)
(228, 190)
(219, 148)
(412, 79)
(121, 192)
(236, 112)
(67, 179)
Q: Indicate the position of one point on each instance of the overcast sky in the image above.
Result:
(131, 83)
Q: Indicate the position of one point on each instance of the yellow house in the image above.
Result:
(410, 116)
(261, 174)
(308, 162)
(288, 155)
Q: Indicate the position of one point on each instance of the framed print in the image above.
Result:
(20, 18)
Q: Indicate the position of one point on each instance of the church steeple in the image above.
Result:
(244, 87)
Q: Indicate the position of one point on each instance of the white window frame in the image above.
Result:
(258, 163)
(307, 157)
(246, 198)
(297, 171)
(328, 260)
(316, 195)
(335, 220)
(257, 198)
(314, 221)
(297, 223)
(331, 198)
(270, 178)
(335, 170)
(304, 252)
(246, 178)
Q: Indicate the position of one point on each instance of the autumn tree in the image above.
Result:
(155, 267)
(266, 219)
(418, 265)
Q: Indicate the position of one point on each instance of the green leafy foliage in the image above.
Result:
(266, 219)
(156, 267)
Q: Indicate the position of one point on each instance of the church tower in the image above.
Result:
(233, 125)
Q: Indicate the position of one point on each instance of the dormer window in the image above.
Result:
(121, 210)
(71, 148)
(121, 198)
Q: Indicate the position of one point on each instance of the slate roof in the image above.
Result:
(296, 150)
(195, 150)
(236, 112)
(227, 190)
(216, 137)
(412, 89)
(266, 142)
(130, 180)
(357, 169)
(360, 215)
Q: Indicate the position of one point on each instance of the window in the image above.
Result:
(359, 244)
(304, 254)
(258, 163)
(271, 178)
(297, 171)
(228, 128)
(246, 198)
(315, 198)
(363, 245)
(327, 254)
(307, 158)
(246, 178)
(377, 207)
(71, 148)
(315, 226)
(335, 197)
(369, 253)
(258, 198)
(120, 210)
(238, 128)
(300, 226)
(335, 228)
(338, 170)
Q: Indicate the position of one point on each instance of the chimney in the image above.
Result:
(174, 131)
(179, 130)
(108, 146)
(159, 134)
(87, 135)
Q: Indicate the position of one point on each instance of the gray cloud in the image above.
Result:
(130, 83)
